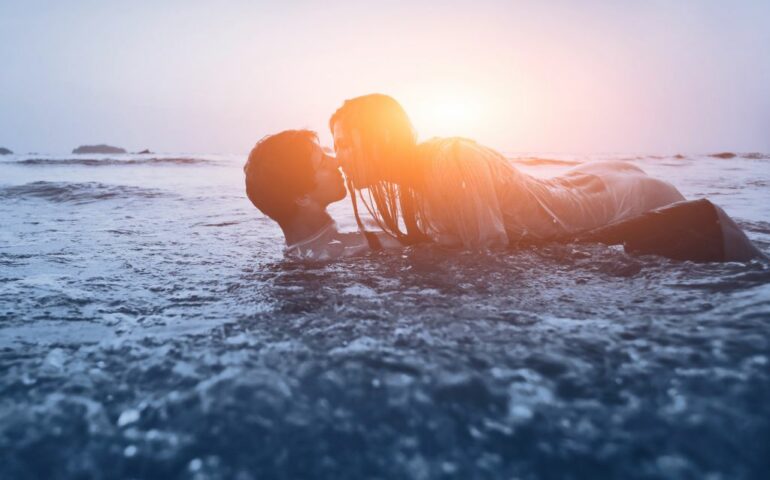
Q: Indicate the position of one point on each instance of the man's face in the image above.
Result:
(348, 148)
(329, 186)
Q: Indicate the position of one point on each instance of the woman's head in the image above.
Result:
(373, 138)
(376, 146)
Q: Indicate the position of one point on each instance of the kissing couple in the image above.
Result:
(457, 193)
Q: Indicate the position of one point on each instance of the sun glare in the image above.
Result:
(446, 113)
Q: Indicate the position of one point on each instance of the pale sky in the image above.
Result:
(521, 76)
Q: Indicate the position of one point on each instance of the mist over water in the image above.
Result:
(150, 328)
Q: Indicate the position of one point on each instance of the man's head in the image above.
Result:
(288, 171)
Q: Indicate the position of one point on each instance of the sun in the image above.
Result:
(446, 112)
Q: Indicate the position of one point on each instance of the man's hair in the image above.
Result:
(280, 170)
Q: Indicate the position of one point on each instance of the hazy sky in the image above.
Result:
(558, 76)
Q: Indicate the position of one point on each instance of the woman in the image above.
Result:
(457, 192)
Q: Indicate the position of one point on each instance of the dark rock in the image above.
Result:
(723, 155)
(144, 152)
(5, 151)
(98, 149)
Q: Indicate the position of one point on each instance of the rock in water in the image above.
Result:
(144, 152)
(98, 149)
(725, 155)
(5, 151)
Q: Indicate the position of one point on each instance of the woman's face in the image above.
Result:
(350, 156)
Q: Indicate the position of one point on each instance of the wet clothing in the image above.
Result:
(473, 197)
(328, 244)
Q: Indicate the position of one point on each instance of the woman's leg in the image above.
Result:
(692, 230)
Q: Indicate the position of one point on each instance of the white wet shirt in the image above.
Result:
(327, 244)
(476, 199)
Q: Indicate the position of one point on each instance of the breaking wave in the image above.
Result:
(67, 192)
(104, 162)
(543, 161)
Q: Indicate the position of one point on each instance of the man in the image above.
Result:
(292, 180)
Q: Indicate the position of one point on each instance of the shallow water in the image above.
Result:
(149, 328)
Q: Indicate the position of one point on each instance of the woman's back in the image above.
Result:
(474, 197)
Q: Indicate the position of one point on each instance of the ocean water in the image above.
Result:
(149, 328)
